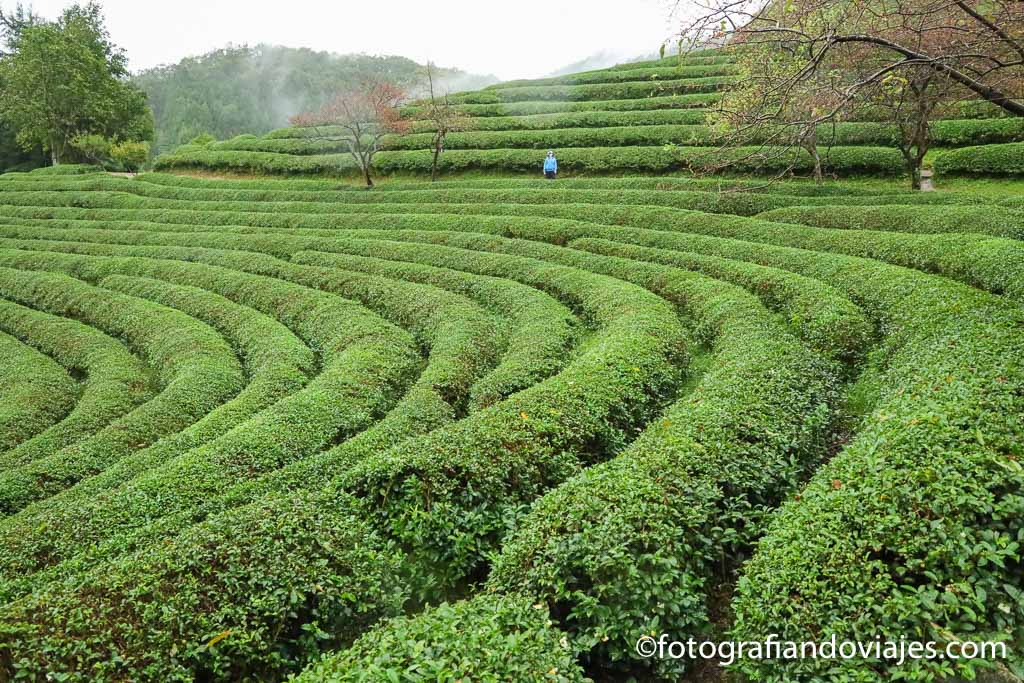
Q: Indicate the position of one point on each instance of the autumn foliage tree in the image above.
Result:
(361, 116)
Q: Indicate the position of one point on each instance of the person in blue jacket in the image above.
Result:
(550, 166)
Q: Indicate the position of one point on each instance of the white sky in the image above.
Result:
(510, 39)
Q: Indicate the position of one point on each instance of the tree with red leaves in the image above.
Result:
(361, 116)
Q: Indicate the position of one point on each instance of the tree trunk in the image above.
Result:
(54, 153)
(433, 165)
(810, 146)
(915, 176)
(366, 175)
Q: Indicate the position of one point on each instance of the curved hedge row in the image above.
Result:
(829, 323)
(333, 576)
(702, 56)
(967, 480)
(598, 91)
(630, 546)
(35, 392)
(583, 119)
(796, 188)
(690, 101)
(990, 263)
(540, 330)
(457, 642)
(509, 424)
(580, 119)
(364, 365)
(957, 347)
(985, 160)
(115, 380)
(985, 220)
(952, 133)
(640, 73)
(197, 372)
(993, 264)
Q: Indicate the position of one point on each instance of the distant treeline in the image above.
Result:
(238, 90)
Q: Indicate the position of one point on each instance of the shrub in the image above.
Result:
(650, 73)
(598, 91)
(206, 624)
(527, 108)
(985, 160)
(114, 383)
(130, 155)
(198, 371)
(986, 220)
(574, 160)
(36, 392)
(487, 639)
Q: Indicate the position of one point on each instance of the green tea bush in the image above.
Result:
(597, 91)
(35, 392)
(114, 383)
(848, 160)
(630, 546)
(197, 372)
(489, 639)
(951, 133)
(703, 56)
(67, 169)
(842, 567)
(533, 107)
(985, 160)
(651, 73)
(985, 220)
(540, 332)
(207, 624)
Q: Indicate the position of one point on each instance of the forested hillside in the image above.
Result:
(253, 90)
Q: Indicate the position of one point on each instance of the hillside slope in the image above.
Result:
(642, 117)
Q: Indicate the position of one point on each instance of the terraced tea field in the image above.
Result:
(257, 427)
(647, 117)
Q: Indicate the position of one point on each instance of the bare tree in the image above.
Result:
(757, 113)
(910, 100)
(811, 63)
(442, 116)
(361, 116)
(976, 44)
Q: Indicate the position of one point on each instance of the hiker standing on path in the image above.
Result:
(550, 166)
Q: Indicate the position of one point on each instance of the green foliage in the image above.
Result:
(599, 91)
(35, 392)
(321, 601)
(617, 160)
(986, 220)
(115, 380)
(564, 414)
(488, 639)
(130, 155)
(197, 371)
(997, 160)
(238, 90)
(66, 79)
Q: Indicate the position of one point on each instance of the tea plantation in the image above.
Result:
(497, 429)
(647, 117)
